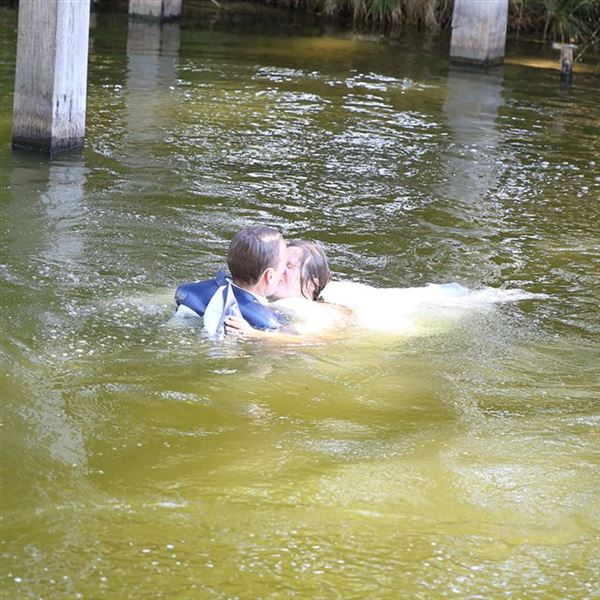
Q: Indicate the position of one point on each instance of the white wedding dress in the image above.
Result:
(406, 311)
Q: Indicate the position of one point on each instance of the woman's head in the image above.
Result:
(306, 271)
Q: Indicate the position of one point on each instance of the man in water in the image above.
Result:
(256, 260)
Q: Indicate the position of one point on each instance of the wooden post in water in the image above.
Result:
(566, 60)
(51, 74)
(155, 9)
(479, 31)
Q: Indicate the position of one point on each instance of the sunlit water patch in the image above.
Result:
(140, 458)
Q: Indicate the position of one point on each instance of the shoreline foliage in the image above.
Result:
(576, 21)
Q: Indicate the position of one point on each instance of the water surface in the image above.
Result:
(140, 459)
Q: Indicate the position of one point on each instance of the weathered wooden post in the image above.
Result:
(155, 9)
(479, 31)
(51, 74)
(566, 59)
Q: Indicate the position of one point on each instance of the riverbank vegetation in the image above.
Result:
(552, 20)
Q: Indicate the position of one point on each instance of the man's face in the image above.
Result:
(278, 270)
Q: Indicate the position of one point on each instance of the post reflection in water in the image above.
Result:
(46, 223)
(152, 50)
(473, 167)
(471, 108)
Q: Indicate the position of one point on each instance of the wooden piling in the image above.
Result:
(51, 75)
(162, 10)
(566, 59)
(479, 31)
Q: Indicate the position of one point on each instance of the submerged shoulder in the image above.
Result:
(309, 317)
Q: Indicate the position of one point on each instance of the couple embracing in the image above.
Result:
(261, 267)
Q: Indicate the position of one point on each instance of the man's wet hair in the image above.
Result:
(253, 250)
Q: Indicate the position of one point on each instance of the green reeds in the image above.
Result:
(386, 14)
(557, 20)
(554, 20)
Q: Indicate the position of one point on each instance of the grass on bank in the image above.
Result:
(554, 20)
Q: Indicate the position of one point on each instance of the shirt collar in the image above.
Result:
(259, 298)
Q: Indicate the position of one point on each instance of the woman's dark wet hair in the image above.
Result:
(314, 269)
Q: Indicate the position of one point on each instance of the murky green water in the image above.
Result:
(141, 460)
